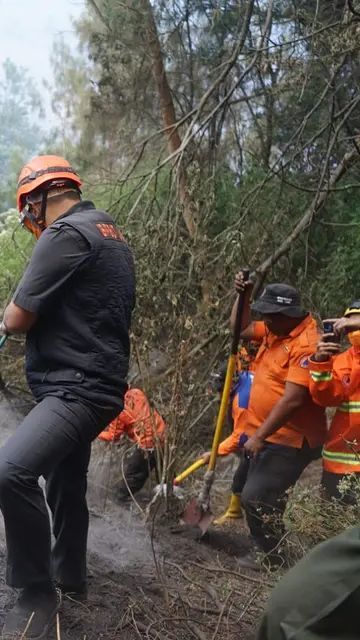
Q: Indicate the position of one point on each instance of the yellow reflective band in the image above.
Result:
(350, 407)
(342, 458)
(317, 376)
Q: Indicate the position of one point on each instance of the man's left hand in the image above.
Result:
(253, 446)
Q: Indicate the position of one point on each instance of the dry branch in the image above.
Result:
(314, 208)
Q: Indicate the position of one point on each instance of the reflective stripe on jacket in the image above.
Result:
(336, 383)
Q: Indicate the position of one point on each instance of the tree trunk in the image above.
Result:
(168, 115)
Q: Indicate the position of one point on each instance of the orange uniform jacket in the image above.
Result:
(231, 443)
(336, 383)
(280, 360)
(141, 423)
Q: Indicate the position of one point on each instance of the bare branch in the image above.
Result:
(316, 205)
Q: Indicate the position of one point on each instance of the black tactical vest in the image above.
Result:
(81, 344)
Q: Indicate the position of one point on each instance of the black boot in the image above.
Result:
(34, 611)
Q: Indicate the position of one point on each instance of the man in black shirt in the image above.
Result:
(74, 303)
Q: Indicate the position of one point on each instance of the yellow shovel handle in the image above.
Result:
(222, 412)
(218, 429)
(193, 467)
(229, 376)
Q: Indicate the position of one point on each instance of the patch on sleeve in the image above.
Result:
(304, 362)
(108, 230)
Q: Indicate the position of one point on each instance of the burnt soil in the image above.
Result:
(149, 578)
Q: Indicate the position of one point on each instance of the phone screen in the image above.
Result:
(328, 328)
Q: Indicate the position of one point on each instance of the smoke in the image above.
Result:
(11, 414)
(10, 417)
(118, 536)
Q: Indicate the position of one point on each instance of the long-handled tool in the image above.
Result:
(197, 512)
(198, 464)
(3, 340)
(188, 471)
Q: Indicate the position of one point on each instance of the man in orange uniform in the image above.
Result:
(144, 426)
(285, 428)
(335, 382)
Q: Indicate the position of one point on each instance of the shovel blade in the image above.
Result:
(195, 516)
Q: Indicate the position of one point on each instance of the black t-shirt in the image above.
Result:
(80, 281)
(57, 255)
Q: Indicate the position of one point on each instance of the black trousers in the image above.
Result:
(54, 441)
(263, 482)
(137, 467)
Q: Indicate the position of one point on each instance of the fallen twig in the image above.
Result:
(23, 635)
(203, 587)
(223, 608)
(238, 574)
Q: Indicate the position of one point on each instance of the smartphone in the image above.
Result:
(328, 328)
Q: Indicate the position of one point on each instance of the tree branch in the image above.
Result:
(316, 205)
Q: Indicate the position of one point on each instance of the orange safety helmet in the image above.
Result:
(41, 175)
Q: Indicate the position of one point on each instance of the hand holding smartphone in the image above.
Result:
(329, 334)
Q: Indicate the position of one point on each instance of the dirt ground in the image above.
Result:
(146, 581)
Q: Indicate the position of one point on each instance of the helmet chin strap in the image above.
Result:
(38, 223)
(42, 217)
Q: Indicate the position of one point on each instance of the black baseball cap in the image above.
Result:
(279, 298)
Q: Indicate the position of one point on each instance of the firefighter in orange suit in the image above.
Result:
(143, 426)
(335, 382)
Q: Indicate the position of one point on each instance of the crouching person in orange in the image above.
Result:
(335, 382)
(145, 427)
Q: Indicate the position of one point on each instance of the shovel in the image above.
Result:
(198, 513)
